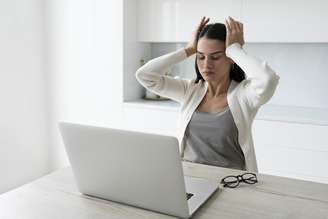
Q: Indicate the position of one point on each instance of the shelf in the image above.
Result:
(167, 105)
(294, 114)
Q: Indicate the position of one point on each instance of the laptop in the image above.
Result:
(134, 168)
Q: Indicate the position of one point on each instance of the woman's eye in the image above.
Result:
(201, 57)
(216, 57)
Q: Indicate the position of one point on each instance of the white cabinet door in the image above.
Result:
(285, 21)
(175, 20)
(156, 121)
(291, 149)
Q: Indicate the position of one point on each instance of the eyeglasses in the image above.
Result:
(233, 181)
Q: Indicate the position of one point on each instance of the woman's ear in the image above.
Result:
(231, 61)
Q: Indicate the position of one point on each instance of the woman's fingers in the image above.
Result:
(192, 45)
(202, 23)
(234, 24)
(241, 27)
(234, 31)
(206, 21)
(228, 26)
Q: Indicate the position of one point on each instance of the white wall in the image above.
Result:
(60, 60)
(23, 111)
(302, 68)
(85, 65)
(132, 50)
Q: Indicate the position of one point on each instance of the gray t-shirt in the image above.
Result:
(212, 139)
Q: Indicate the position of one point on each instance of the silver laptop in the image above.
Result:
(134, 168)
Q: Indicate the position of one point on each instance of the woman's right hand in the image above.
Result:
(191, 47)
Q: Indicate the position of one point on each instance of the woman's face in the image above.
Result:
(212, 62)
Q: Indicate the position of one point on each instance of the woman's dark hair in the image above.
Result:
(217, 31)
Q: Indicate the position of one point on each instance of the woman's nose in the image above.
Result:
(208, 62)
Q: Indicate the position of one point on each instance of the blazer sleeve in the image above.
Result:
(151, 76)
(261, 81)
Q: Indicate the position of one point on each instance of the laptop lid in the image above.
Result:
(130, 167)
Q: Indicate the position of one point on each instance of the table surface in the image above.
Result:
(56, 196)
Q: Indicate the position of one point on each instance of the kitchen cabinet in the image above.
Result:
(157, 117)
(175, 20)
(264, 21)
(292, 149)
(285, 21)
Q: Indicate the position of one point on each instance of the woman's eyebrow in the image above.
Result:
(212, 52)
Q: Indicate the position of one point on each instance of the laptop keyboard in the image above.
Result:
(189, 195)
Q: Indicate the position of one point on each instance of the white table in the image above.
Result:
(56, 196)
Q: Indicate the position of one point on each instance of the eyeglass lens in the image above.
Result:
(233, 181)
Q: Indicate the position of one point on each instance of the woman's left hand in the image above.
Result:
(235, 32)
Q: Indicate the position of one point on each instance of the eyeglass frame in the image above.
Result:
(239, 179)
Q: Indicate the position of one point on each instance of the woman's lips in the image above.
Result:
(208, 72)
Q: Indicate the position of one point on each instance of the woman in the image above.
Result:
(219, 106)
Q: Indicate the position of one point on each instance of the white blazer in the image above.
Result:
(244, 98)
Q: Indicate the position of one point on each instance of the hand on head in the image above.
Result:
(192, 45)
(235, 32)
